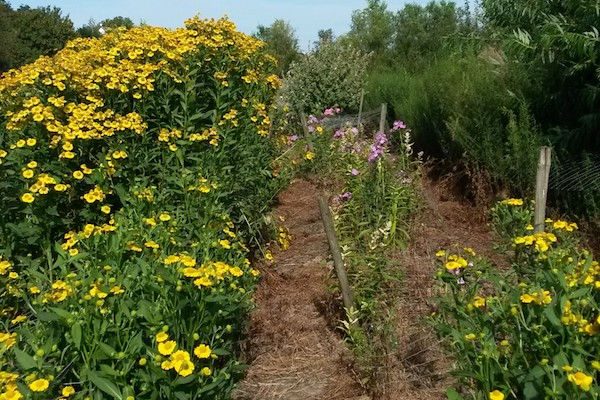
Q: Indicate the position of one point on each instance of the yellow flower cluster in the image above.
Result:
(540, 241)
(585, 326)
(455, 262)
(512, 202)
(540, 298)
(180, 360)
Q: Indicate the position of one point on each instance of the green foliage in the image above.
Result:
(559, 44)
(93, 29)
(281, 42)
(332, 74)
(140, 229)
(465, 108)
(530, 331)
(31, 32)
(372, 28)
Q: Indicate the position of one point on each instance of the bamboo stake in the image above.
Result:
(336, 253)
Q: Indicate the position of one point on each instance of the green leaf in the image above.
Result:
(551, 315)
(61, 313)
(76, 334)
(105, 385)
(24, 359)
(452, 394)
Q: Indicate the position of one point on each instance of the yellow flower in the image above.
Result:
(202, 351)
(478, 302)
(142, 361)
(68, 391)
(164, 217)
(166, 348)
(151, 244)
(78, 175)
(309, 155)
(39, 385)
(470, 336)
(161, 336)
(205, 371)
(60, 187)
(31, 142)
(166, 365)
(496, 395)
(27, 198)
(514, 202)
(17, 319)
(28, 174)
(580, 379)
(105, 209)
(184, 368)
(34, 290)
(226, 244)
(32, 164)
(150, 221)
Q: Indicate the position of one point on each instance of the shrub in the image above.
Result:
(126, 163)
(528, 332)
(333, 74)
(465, 108)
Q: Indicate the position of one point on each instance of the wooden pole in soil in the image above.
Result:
(360, 108)
(541, 188)
(306, 132)
(336, 253)
(383, 118)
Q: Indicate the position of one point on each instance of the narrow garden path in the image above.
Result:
(293, 349)
(419, 370)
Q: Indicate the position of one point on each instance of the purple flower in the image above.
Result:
(398, 125)
(329, 111)
(354, 172)
(313, 120)
(311, 128)
(347, 195)
(337, 110)
(338, 134)
(378, 146)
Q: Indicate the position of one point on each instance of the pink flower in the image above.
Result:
(398, 125)
(354, 172)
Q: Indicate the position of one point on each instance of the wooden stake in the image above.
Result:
(336, 253)
(383, 118)
(360, 108)
(541, 188)
(306, 132)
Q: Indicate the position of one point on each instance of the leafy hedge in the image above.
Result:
(126, 163)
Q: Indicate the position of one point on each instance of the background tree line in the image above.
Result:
(484, 84)
(27, 33)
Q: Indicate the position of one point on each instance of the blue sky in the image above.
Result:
(307, 16)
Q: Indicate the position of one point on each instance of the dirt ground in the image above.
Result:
(293, 349)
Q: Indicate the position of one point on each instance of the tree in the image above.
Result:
(422, 31)
(281, 43)
(27, 33)
(93, 29)
(8, 37)
(325, 37)
(372, 28)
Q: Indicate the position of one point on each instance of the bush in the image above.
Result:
(126, 164)
(463, 108)
(333, 74)
(528, 332)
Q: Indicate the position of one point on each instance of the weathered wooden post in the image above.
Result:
(383, 117)
(336, 253)
(360, 108)
(304, 123)
(541, 188)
